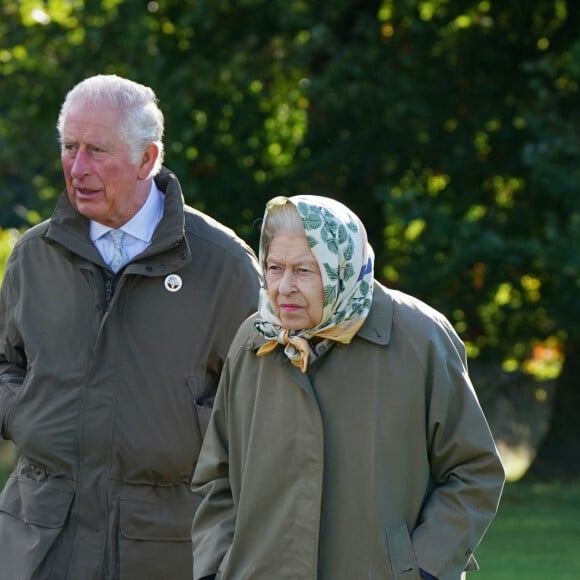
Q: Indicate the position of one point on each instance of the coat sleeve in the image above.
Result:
(214, 522)
(466, 471)
(240, 298)
(12, 352)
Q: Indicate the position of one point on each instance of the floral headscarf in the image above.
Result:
(338, 241)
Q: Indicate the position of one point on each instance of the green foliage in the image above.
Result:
(445, 125)
(7, 240)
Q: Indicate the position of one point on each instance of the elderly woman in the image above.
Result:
(346, 441)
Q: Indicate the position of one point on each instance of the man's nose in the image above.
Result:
(80, 164)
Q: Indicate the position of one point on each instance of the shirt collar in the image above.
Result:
(142, 224)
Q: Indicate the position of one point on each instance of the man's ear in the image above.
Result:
(148, 160)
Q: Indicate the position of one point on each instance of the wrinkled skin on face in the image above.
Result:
(294, 282)
(102, 181)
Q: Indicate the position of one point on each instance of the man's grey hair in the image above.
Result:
(141, 121)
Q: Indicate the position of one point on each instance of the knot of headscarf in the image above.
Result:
(296, 348)
(338, 241)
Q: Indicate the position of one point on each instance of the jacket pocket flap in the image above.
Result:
(38, 503)
(401, 553)
(156, 521)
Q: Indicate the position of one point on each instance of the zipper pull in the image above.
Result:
(108, 293)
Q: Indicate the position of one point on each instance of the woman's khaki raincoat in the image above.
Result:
(102, 386)
(377, 462)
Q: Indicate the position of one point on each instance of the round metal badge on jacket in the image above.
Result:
(173, 283)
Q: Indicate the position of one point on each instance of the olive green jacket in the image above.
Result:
(377, 462)
(105, 388)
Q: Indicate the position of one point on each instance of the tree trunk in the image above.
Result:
(558, 455)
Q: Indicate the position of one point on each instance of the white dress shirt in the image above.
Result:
(138, 230)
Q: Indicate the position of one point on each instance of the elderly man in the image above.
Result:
(116, 315)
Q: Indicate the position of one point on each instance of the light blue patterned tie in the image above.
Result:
(120, 257)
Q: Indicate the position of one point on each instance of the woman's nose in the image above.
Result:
(287, 282)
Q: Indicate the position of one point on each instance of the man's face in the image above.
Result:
(101, 180)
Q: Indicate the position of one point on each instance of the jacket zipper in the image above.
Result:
(108, 293)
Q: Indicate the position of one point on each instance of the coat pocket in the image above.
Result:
(203, 409)
(224, 564)
(8, 395)
(155, 539)
(202, 389)
(402, 557)
(32, 516)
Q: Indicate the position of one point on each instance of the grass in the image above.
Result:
(7, 459)
(5, 469)
(536, 534)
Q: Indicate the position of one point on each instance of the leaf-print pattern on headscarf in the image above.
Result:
(338, 241)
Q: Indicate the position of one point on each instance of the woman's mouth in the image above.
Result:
(290, 307)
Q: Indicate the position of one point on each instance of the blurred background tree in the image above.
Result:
(449, 126)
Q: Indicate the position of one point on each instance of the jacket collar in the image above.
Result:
(376, 329)
(377, 326)
(168, 251)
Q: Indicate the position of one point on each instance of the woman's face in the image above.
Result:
(294, 282)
